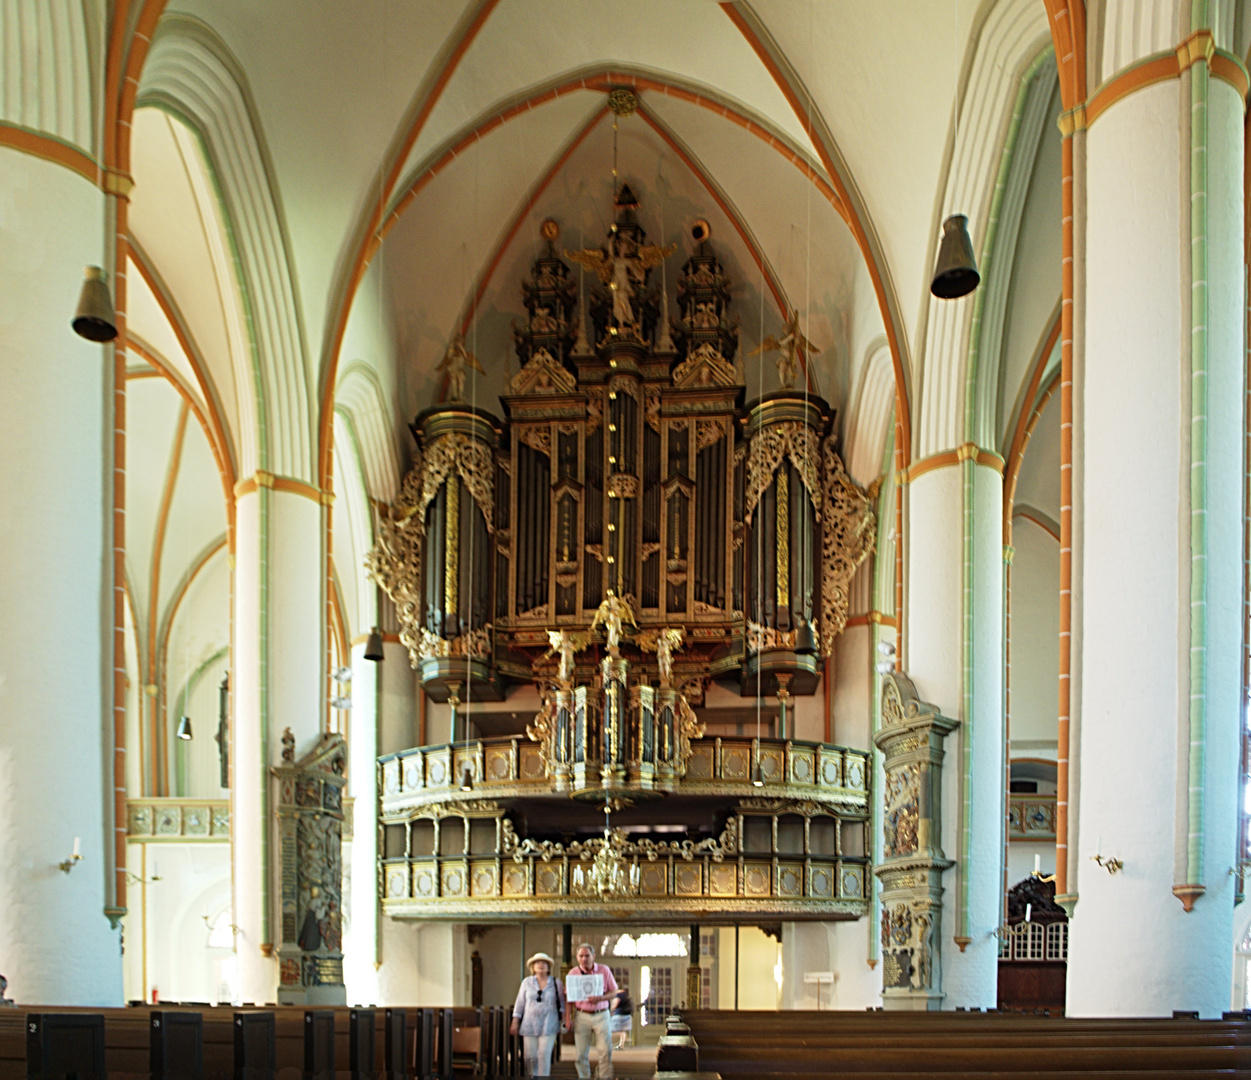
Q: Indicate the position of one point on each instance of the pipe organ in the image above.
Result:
(629, 468)
(630, 531)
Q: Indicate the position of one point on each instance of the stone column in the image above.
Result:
(1161, 583)
(279, 624)
(56, 677)
(954, 652)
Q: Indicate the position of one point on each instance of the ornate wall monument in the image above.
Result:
(310, 844)
(911, 871)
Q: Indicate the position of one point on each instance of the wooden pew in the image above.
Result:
(877, 1045)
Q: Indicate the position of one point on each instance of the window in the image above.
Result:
(646, 945)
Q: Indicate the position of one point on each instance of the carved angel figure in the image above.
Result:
(622, 267)
(612, 614)
(455, 363)
(787, 348)
(663, 642)
(565, 644)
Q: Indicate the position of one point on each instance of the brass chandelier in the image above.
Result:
(612, 874)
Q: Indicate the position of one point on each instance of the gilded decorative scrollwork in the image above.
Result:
(537, 438)
(689, 728)
(394, 562)
(769, 446)
(705, 366)
(543, 374)
(715, 847)
(623, 485)
(848, 536)
(476, 644)
(708, 432)
(899, 823)
(766, 637)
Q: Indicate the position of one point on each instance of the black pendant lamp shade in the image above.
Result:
(373, 646)
(955, 273)
(94, 318)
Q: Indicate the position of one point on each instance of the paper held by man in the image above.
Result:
(581, 987)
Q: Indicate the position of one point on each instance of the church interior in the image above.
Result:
(758, 486)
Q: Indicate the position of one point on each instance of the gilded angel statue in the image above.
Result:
(455, 363)
(663, 642)
(612, 614)
(565, 644)
(787, 348)
(622, 267)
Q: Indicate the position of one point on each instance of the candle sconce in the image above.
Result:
(1112, 866)
(1241, 870)
(1007, 931)
(136, 879)
(74, 858)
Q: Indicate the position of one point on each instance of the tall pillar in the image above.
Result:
(1161, 583)
(955, 641)
(56, 689)
(279, 624)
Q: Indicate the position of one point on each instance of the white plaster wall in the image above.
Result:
(853, 687)
(1135, 585)
(1035, 636)
(422, 963)
(1035, 288)
(360, 935)
(397, 701)
(858, 986)
(194, 883)
(503, 954)
(55, 592)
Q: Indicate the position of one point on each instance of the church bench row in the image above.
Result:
(800, 1045)
(281, 1041)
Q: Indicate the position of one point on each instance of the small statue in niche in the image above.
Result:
(787, 347)
(456, 362)
(288, 746)
(611, 614)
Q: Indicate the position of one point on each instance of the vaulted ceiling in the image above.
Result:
(325, 194)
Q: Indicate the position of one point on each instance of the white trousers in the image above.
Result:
(591, 1027)
(538, 1050)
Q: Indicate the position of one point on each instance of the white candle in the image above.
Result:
(1029, 910)
(1037, 864)
(77, 847)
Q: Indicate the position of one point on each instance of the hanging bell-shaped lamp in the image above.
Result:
(95, 319)
(373, 646)
(466, 779)
(955, 273)
(184, 728)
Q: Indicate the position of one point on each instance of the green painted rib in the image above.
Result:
(1199, 91)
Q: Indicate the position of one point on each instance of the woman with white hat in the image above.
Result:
(538, 1015)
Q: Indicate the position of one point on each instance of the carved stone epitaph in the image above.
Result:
(310, 870)
(911, 742)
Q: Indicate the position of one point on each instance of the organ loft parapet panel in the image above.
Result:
(631, 532)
